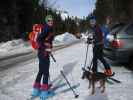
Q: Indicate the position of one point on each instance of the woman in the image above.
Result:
(44, 41)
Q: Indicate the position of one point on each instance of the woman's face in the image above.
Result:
(50, 22)
(92, 22)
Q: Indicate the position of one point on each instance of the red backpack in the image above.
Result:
(37, 29)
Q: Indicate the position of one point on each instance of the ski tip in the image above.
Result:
(76, 96)
(32, 97)
(83, 68)
(113, 74)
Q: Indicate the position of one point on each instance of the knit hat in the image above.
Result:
(92, 17)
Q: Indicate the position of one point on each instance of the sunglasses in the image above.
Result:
(50, 20)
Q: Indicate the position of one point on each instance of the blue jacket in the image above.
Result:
(105, 31)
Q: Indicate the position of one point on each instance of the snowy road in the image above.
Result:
(16, 82)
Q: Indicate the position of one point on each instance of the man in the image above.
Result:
(44, 41)
(98, 47)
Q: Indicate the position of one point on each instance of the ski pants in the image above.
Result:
(44, 63)
(98, 55)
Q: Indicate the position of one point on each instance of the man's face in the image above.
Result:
(50, 22)
(92, 22)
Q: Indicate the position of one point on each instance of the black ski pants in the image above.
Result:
(44, 63)
(98, 55)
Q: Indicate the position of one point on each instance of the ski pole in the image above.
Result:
(52, 57)
(86, 57)
(117, 81)
(62, 73)
(90, 67)
(75, 94)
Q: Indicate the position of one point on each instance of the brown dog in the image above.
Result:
(93, 78)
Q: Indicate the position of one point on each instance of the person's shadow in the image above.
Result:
(67, 69)
(97, 96)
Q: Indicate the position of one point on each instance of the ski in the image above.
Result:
(109, 82)
(64, 90)
(68, 89)
(32, 98)
(68, 83)
(52, 89)
(56, 93)
(115, 80)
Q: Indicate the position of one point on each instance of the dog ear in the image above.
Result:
(83, 75)
(83, 69)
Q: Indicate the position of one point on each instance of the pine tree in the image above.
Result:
(103, 9)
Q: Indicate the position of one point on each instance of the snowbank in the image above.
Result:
(64, 16)
(65, 38)
(11, 45)
(19, 46)
(14, 47)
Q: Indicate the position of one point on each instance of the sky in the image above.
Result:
(77, 8)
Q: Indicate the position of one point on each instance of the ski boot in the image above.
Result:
(36, 90)
(45, 93)
(109, 72)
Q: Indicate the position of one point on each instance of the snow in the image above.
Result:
(20, 47)
(64, 16)
(10, 45)
(70, 60)
(16, 82)
(65, 38)
(14, 47)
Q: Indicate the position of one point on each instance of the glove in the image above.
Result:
(48, 49)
